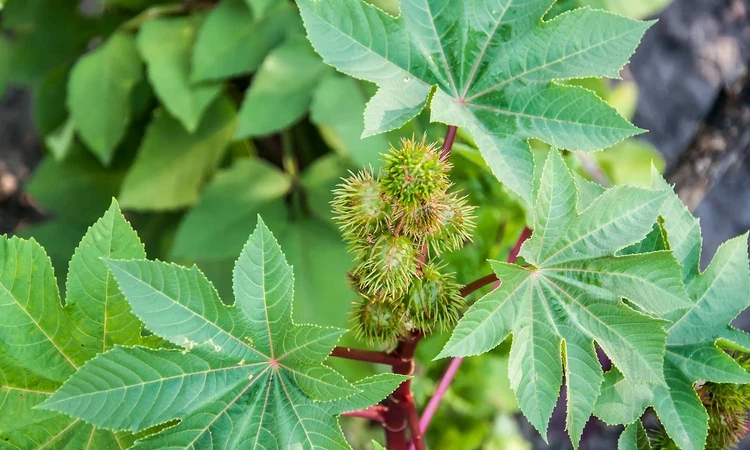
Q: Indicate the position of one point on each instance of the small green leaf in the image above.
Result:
(99, 93)
(232, 42)
(337, 107)
(43, 343)
(281, 90)
(493, 63)
(172, 164)
(60, 142)
(166, 45)
(218, 225)
(571, 297)
(261, 7)
(247, 376)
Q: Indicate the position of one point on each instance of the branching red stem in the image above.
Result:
(478, 284)
(375, 413)
(366, 356)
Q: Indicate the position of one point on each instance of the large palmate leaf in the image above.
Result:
(571, 297)
(99, 93)
(493, 63)
(248, 377)
(42, 344)
(717, 295)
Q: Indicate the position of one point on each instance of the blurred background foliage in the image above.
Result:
(199, 115)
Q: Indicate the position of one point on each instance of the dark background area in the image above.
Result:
(692, 70)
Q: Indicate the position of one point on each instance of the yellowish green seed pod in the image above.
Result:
(389, 267)
(434, 301)
(379, 322)
(414, 173)
(360, 206)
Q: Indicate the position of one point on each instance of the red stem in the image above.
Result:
(525, 234)
(478, 284)
(396, 419)
(375, 413)
(366, 356)
(450, 137)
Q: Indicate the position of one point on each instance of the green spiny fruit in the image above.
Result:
(379, 322)
(414, 173)
(359, 206)
(389, 268)
(456, 225)
(434, 301)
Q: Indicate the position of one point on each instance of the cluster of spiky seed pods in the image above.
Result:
(393, 222)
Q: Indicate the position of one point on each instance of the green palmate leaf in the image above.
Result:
(337, 107)
(493, 62)
(571, 297)
(99, 93)
(248, 377)
(232, 42)
(282, 90)
(717, 296)
(172, 164)
(166, 45)
(42, 344)
(216, 228)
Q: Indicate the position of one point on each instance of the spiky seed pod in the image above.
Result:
(389, 268)
(434, 301)
(456, 224)
(378, 322)
(359, 206)
(414, 173)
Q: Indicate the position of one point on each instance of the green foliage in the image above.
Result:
(183, 160)
(239, 364)
(493, 71)
(570, 298)
(112, 71)
(267, 108)
(199, 116)
(717, 296)
(44, 343)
